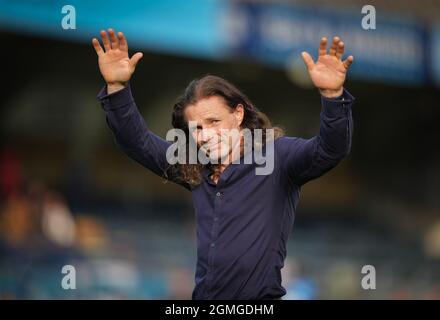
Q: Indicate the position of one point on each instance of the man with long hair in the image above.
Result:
(243, 218)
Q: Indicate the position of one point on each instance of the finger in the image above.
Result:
(347, 62)
(113, 39)
(335, 42)
(97, 46)
(340, 50)
(105, 40)
(308, 60)
(135, 58)
(323, 46)
(122, 42)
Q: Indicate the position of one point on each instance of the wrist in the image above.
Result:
(331, 93)
(115, 86)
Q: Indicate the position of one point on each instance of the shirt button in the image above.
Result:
(215, 218)
(212, 245)
(218, 194)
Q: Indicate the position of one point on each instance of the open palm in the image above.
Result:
(329, 72)
(114, 63)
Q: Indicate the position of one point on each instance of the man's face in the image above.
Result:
(215, 122)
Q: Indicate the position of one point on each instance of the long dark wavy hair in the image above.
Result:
(206, 87)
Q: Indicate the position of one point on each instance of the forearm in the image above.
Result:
(130, 130)
(335, 133)
(122, 115)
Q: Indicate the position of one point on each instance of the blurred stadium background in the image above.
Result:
(69, 196)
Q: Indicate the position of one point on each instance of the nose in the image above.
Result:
(205, 135)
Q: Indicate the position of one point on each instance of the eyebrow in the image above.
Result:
(210, 118)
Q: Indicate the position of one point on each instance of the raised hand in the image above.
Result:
(329, 72)
(115, 65)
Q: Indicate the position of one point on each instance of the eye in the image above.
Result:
(215, 121)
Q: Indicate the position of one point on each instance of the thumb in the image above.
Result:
(135, 58)
(308, 60)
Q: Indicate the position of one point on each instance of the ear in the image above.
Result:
(239, 113)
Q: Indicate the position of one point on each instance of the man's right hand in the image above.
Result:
(115, 65)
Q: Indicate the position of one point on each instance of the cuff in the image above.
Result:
(116, 99)
(335, 107)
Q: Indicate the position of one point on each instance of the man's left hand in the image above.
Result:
(329, 72)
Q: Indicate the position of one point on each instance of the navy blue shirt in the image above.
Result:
(243, 221)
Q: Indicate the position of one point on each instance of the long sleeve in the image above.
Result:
(131, 133)
(307, 159)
